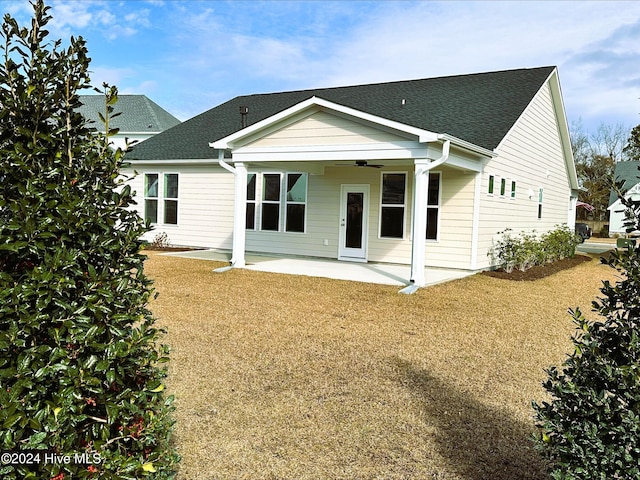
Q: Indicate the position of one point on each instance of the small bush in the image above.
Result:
(526, 250)
(160, 241)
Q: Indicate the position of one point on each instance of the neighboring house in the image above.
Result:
(422, 172)
(628, 173)
(140, 117)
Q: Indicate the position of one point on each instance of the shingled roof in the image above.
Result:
(478, 108)
(629, 173)
(139, 114)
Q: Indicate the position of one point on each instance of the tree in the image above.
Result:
(591, 427)
(632, 148)
(595, 176)
(81, 366)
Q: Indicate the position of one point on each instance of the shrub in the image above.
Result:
(590, 429)
(81, 367)
(527, 249)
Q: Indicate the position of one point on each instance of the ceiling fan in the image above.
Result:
(359, 163)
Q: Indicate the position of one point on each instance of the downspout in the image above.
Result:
(239, 212)
(419, 227)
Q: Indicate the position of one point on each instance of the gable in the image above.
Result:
(324, 128)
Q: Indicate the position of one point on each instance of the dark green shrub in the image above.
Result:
(590, 429)
(81, 367)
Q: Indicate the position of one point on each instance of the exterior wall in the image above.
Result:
(205, 205)
(617, 211)
(532, 155)
(452, 249)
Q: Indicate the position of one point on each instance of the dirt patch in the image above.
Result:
(539, 271)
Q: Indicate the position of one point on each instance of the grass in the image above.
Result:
(291, 377)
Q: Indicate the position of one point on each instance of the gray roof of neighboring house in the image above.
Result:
(627, 172)
(139, 114)
(478, 108)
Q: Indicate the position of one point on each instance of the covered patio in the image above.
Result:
(380, 273)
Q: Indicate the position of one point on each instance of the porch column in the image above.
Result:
(239, 215)
(419, 221)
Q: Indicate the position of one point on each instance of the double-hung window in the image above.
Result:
(151, 197)
(393, 205)
(513, 190)
(540, 194)
(270, 219)
(296, 202)
(161, 199)
(251, 202)
(433, 206)
(492, 180)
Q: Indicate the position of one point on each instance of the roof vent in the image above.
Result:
(403, 102)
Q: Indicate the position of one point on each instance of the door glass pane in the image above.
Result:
(355, 206)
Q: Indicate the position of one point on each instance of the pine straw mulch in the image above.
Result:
(539, 271)
(292, 377)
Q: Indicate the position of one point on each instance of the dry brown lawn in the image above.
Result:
(291, 377)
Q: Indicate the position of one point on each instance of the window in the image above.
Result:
(433, 206)
(161, 202)
(392, 209)
(503, 186)
(513, 189)
(151, 197)
(270, 219)
(171, 198)
(540, 192)
(491, 182)
(251, 202)
(296, 202)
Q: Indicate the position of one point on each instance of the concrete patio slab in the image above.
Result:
(379, 273)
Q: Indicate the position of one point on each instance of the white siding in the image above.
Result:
(322, 128)
(205, 205)
(532, 155)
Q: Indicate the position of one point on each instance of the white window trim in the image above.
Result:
(503, 192)
(490, 186)
(160, 198)
(439, 207)
(540, 203)
(513, 192)
(403, 206)
(271, 202)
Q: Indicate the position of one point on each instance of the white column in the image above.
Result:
(419, 221)
(239, 215)
(475, 225)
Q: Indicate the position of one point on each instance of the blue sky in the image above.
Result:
(189, 56)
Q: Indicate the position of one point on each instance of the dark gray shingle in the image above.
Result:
(479, 108)
(627, 172)
(139, 113)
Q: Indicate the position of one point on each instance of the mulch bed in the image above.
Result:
(539, 271)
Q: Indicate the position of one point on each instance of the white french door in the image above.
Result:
(354, 214)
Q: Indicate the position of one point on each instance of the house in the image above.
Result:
(139, 119)
(629, 173)
(422, 172)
